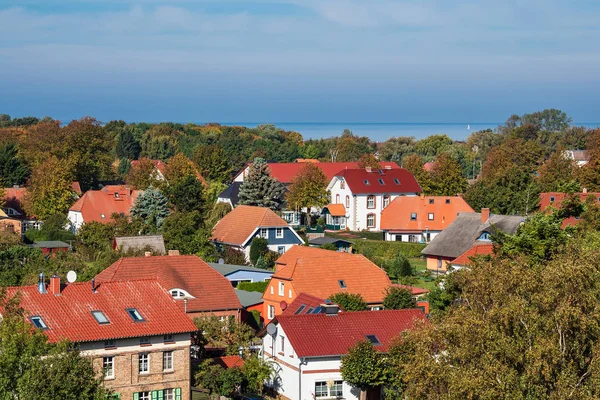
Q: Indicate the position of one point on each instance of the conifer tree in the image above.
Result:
(151, 206)
(260, 189)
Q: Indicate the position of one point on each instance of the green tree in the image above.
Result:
(414, 165)
(184, 232)
(399, 267)
(13, 170)
(259, 189)
(151, 207)
(50, 190)
(397, 298)
(256, 373)
(53, 228)
(186, 195)
(127, 147)
(557, 173)
(368, 161)
(396, 149)
(364, 367)
(432, 145)
(212, 163)
(258, 248)
(142, 174)
(308, 189)
(160, 142)
(123, 168)
(224, 333)
(445, 178)
(349, 301)
(95, 236)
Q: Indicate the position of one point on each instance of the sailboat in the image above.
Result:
(468, 127)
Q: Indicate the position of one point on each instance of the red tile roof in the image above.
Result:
(318, 335)
(14, 197)
(76, 188)
(397, 215)
(477, 249)
(553, 200)
(236, 227)
(228, 361)
(317, 272)
(211, 290)
(356, 178)
(416, 291)
(110, 199)
(286, 172)
(303, 299)
(68, 316)
(336, 210)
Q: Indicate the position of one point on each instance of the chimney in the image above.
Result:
(93, 285)
(42, 284)
(147, 253)
(368, 169)
(584, 190)
(55, 284)
(485, 214)
(16, 187)
(173, 252)
(330, 309)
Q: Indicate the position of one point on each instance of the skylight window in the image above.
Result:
(135, 314)
(374, 340)
(317, 310)
(447, 201)
(396, 181)
(381, 182)
(431, 201)
(342, 284)
(300, 309)
(38, 322)
(100, 317)
(367, 183)
(310, 310)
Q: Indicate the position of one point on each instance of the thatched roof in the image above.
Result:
(465, 230)
(153, 243)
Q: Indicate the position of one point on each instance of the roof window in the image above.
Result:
(135, 314)
(38, 322)
(447, 201)
(100, 317)
(374, 340)
(310, 310)
(396, 181)
(342, 283)
(367, 183)
(413, 216)
(317, 310)
(102, 216)
(381, 182)
(117, 195)
(431, 201)
(551, 198)
(300, 309)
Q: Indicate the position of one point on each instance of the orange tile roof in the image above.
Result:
(553, 201)
(416, 291)
(228, 361)
(96, 203)
(317, 272)
(68, 316)
(397, 215)
(14, 197)
(336, 210)
(211, 290)
(303, 299)
(477, 249)
(236, 227)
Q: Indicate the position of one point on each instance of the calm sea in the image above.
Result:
(383, 131)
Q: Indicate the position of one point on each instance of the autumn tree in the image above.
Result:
(212, 162)
(414, 165)
(142, 174)
(557, 173)
(368, 161)
(350, 147)
(445, 178)
(364, 367)
(349, 301)
(398, 298)
(160, 142)
(308, 189)
(178, 168)
(260, 189)
(49, 190)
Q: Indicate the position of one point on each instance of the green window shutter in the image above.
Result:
(178, 394)
(136, 396)
(161, 394)
(155, 394)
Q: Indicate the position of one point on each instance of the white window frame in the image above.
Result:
(143, 361)
(322, 384)
(430, 216)
(168, 361)
(169, 394)
(371, 202)
(264, 233)
(271, 311)
(374, 224)
(340, 384)
(145, 340)
(281, 249)
(347, 201)
(385, 201)
(108, 364)
(342, 184)
(272, 290)
(279, 233)
(144, 395)
(281, 287)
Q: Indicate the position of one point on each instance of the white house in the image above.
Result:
(306, 349)
(364, 193)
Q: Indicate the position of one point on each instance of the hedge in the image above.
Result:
(382, 253)
(253, 286)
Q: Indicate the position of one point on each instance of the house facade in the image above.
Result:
(244, 223)
(12, 215)
(241, 273)
(322, 273)
(550, 201)
(307, 348)
(100, 205)
(467, 230)
(133, 331)
(364, 194)
(419, 219)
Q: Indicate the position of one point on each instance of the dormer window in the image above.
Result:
(100, 317)
(116, 195)
(447, 201)
(135, 314)
(413, 216)
(177, 294)
(485, 236)
(38, 322)
(374, 340)
(551, 199)
(342, 284)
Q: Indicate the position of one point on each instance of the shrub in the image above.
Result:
(400, 267)
(253, 286)
(349, 301)
(397, 298)
(259, 247)
(381, 252)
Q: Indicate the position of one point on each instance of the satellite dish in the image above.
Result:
(71, 276)
(221, 261)
(283, 305)
(271, 329)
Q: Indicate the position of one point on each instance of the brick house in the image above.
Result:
(321, 273)
(197, 288)
(133, 331)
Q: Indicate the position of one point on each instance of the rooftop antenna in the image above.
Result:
(71, 276)
(41, 284)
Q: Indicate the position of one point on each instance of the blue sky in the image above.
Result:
(299, 60)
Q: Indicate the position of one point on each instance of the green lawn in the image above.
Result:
(421, 265)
